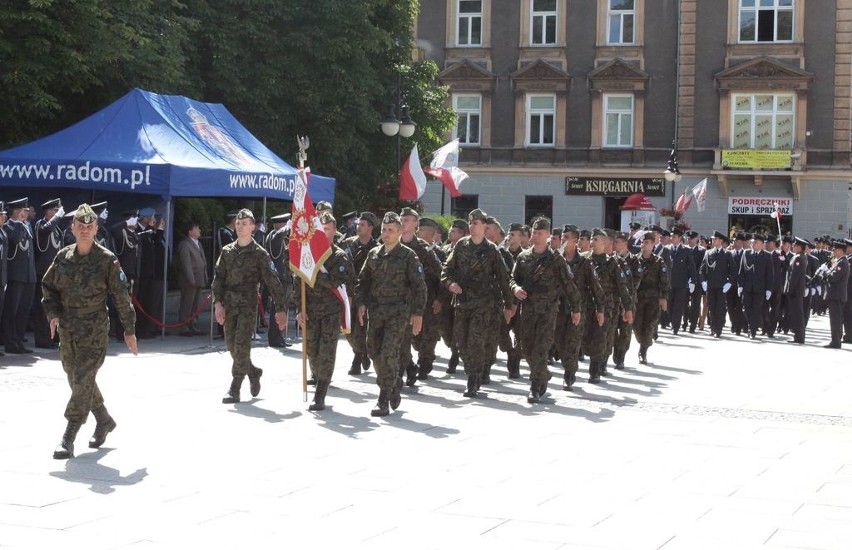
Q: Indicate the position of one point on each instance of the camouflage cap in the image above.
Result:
(586, 233)
(649, 236)
(85, 214)
(370, 218)
(516, 226)
(327, 217)
(461, 224)
(245, 213)
(429, 222)
(408, 211)
(476, 215)
(598, 232)
(392, 217)
(490, 220)
(622, 236)
(540, 223)
(323, 205)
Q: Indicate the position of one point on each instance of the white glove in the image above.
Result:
(131, 222)
(262, 227)
(704, 286)
(813, 292)
(819, 290)
(104, 214)
(740, 292)
(726, 288)
(60, 212)
(691, 288)
(768, 294)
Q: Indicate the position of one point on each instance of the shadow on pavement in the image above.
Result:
(102, 479)
(547, 405)
(350, 426)
(247, 408)
(397, 420)
(336, 392)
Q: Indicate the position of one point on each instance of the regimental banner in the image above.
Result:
(759, 206)
(615, 187)
(757, 159)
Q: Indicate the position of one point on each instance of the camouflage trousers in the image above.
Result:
(426, 341)
(595, 337)
(623, 335)
(82, 350)
(647, 315)
(568, 336)
(357, 338)
(505, 340)
(615, 315)
(537, 329)
(446, 327)
(476, 336)
(386, 330)
(239, 327)
(322, 337)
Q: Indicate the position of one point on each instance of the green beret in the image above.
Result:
(392, 217)
(408, 211)
(85, 214)
(477, 215)
(370, 218)
(540, 223)
(245, 214)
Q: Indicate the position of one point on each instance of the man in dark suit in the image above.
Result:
(276, 244)
(795, 289)
(192, 277)
(683, 278)
(47, 234)
(3, 260)
(772, 306)
(718, 275)
(836, 276)
(813, 286)
(696, 293)
(754, 282)
(847, 309)
(21, 276)
(735, 305)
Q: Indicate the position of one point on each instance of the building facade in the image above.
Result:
(567, 107)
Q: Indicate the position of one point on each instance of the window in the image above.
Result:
(618, 120)
(543, 23)
(461, 206)
(470, 23)
(766, 20)
(536, 206)
(541, 119)
(469, 114)
(621, 18)
(763, 121)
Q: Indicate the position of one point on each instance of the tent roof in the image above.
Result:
(149, 143)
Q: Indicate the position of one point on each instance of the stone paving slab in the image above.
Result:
(715, 444)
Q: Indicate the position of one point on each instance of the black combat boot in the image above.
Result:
(254, 380)
(318, 404)
(411, 374)
(66, 446)
(365, 362)
(513, 365)
(602, 368)
(453, 363)
(486, 376)
(535, 392)
(233, 395)
(643, 355)
(568, 381)
(381, 408)
(395, 396)
(423, 370)
(542, 388)
(355, 369)
(105, 425)
(472, 386)
(594, 373)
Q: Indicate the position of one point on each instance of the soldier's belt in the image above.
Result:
(83, 311)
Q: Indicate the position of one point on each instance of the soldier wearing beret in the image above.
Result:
(75, 288)
(391, 296)
(651, 294)
(477, 277)
(21, 276)
(241, 266)
(356, 248)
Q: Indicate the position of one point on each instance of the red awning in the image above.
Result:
(637, 201)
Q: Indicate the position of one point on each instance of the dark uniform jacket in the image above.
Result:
(48, 240)
(797, 274)
(718, 268)
(4, 246)
(838, 280)
(683, 267)
(756, 272)
(126, 248)
(779, 271)
(152, 248)
(20, 266)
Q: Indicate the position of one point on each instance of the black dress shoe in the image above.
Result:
(832, 345)
(47, 345)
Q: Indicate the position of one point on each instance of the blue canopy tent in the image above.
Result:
(153, 144)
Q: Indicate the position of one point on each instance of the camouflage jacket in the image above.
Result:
(75, 289)
(653, 275)
(480, 271)
(586, 278)
(614, 281)
(544, 277)
(238, 271)
(431, 266)
(321, 300)
(357, 251)
(392, 278)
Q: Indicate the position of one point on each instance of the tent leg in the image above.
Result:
(168, 217)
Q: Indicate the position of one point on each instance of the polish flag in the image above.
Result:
(445, 167)
(412, 180)
(346, 316)
(308, 244)
(700, 194)
(684, 202)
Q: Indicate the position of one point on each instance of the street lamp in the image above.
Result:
(391, 125)
(672, 173)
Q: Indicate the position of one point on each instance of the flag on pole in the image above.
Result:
(346, 317)
(412, 180)
(700, 194)
(684, 202)
(309, 247)
(445, 167)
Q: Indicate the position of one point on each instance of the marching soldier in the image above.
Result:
(836, 275)
(683, 276)
(277, 241)
(476, 275)
(651, 294)
(458, 229)
(696, 293)
(21, 276)
(505, 343)
(754, 283)
(795, 289)
(772, 307)
(623, 330)
(391, 296)
(718, 274)
(733, 301)
(47, 234)
(425, 342)
(356, 248)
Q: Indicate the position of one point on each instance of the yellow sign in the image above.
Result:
(757, 159)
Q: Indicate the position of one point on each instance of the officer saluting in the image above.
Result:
(21, 276)
(836, 276)
(48, 240)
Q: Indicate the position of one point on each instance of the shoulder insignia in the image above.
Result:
(341, 268)
(271, 265)
(419, 268)
(664, 269)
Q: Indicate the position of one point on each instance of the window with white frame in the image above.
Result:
(766, 20)
(618, 120)
(469, 23)
(541, 120)
(543, 23)
(763, 121)
(621, 17)
(468, 118)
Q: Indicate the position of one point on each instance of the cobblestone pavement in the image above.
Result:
(715, 444)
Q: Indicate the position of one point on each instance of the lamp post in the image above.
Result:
(672, 172)
(392, 126)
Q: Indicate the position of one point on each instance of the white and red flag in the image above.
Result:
(700, 194)
(412, 180)
(445, 167)
(309, 247)
(684, 202)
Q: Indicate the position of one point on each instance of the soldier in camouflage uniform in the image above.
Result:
(323, 312)
(540, 276)
(276, 244)
(476, 276)
(75, 290)
(391, 295)
(615, 287)
(567, 335)
(426, 341)
(356, 248)
(458, 229)
(241, 266)
(624, 330)
(652, 292)
(513, 355)
(505, 343)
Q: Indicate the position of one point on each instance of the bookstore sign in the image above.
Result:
(759, 206)
(615, 187)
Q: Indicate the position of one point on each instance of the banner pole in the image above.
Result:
(304, 346)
